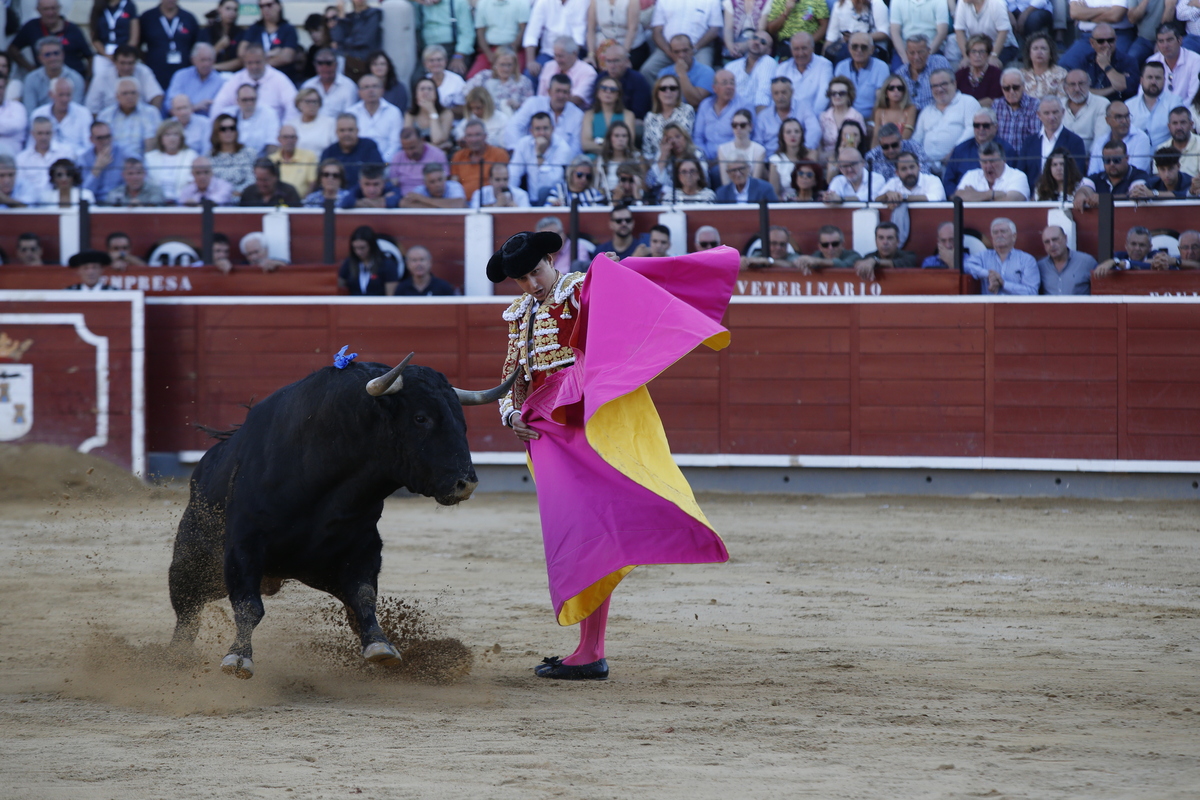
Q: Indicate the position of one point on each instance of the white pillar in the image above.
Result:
(676, 221)
(68, 233)
(865, 220)
(400, 36)
(1059, 217)
(478, 247)
(277, 228)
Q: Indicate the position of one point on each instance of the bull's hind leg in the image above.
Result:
(195, 577)
(243, 579)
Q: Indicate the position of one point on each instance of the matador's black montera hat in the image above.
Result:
(521, 253)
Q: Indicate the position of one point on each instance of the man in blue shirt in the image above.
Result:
(784, 105)
(1063, 270)
(200, 82)
(624, 241)
(101, 163)
(564, 115)
(712, 126)
(1004, 269)
(868, 74)
(350, 149)
(168, 34)
(695, 79)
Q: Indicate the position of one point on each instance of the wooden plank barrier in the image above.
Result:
(958, 377)
(71, 372)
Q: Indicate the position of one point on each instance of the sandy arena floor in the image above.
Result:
(852, 648)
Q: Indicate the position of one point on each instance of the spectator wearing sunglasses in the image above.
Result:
(1118, 178)
(867, 73)
(1017, 113)
(884, 156)
(831, 252)
(578, 186)
(753, 72)
(1120, 127)
(706, 238)
(1111, 73)
(337, 91)
(624, 242)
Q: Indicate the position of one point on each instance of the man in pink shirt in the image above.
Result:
(407, 169)
(567, 61)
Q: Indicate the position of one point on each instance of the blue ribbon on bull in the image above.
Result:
(341, 360)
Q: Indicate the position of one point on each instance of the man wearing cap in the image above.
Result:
(597, 503)
(90, 264)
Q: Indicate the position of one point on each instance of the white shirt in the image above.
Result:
(1124, 23)
(275, 90)
(1184, 80)
(451, 93)
(550, 19)
(1011, 180)
(340, 96)
(14, 123)
(928, 185)
(383, 126)
(808, 87)
(486, 196)
(49, 196)
(1088, 124)
(316, 135)
(842, 187)
(33, 171)
(74, 131)
(756, 84)
(990, 20)
(940, 130)
(171, 173)
(692, 18)
(103, 91)
(843, 17)
(1048, 143)
(259, 130)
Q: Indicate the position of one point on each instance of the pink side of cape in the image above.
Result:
(638, 318)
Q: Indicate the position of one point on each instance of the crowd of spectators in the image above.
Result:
(533, 103)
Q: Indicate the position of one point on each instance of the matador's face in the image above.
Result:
(539, 282)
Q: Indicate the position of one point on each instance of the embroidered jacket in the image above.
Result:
(552, 324)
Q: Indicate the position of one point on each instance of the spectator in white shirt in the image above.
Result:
(853, 184)
(699, 20)
(1084, 114)
(72, 122)
(102, 92)
(258, 126)
(541, 156)
(498, 193)
(547, 22)
(33, 163)
(377, 118)
(275, 90)
(809, 74)
(754, 71)
(337, 91)
(1182, 65)
(909, 183)
(14, 120)
(947, 122)
(994, 181)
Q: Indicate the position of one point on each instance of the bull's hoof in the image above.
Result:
(237, 666)
(381, 653)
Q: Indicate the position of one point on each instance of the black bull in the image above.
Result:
(296, 492)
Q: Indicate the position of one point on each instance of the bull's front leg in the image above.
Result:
(243, 578)
(361, 600)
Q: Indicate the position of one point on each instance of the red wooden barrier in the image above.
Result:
(1041, 379)
(84, 357)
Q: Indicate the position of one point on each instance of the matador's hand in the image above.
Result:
(522, 430)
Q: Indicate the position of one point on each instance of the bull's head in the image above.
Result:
(464, 484)
(393, 382)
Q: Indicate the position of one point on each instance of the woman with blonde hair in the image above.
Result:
(169, 164)
(666, 108)
(481, 107)
(607, 107)
(841, 94)
(315, 131)
(504, 81)
(894, 104)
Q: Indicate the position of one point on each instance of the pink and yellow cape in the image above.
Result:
(610, 495)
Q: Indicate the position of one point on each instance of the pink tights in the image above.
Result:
(591, 637)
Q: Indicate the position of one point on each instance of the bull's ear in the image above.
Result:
(490, 396)
(391, 382)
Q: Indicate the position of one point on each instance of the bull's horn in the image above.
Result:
(490, 396)
(390, 383)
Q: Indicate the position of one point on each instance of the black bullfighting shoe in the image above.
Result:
(554, 668)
